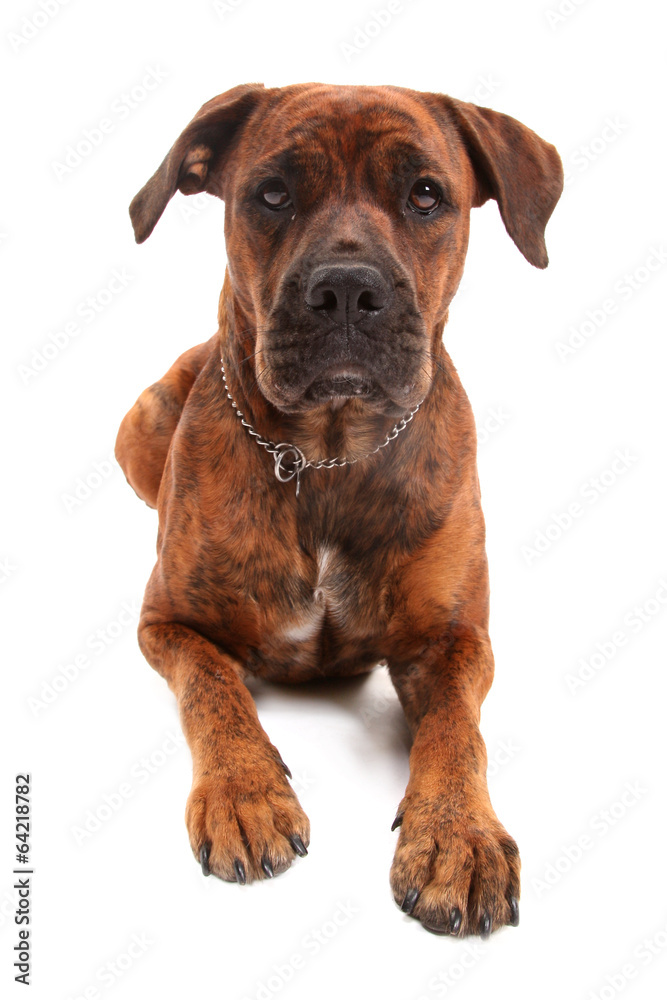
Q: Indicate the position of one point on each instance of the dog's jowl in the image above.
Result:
(314, 465)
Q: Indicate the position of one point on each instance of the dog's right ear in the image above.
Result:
(190, 164)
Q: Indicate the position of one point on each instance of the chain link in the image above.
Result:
(299, 462)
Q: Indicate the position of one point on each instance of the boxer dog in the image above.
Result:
(314, 466)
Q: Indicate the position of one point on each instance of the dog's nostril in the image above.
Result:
(328, 299)
(368, 301)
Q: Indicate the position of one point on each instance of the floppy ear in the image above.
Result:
(517, 168)
(190, 163)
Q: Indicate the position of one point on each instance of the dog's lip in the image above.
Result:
(344, 379)
(343, 370)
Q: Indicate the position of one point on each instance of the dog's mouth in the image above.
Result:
(341, 382)
(334, 383)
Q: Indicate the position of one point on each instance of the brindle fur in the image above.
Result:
(382, 561)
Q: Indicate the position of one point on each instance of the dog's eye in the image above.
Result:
(424, 197)
(274, 194)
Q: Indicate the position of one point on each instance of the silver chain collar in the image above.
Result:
(290, 461)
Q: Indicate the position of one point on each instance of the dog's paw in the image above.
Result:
(246, 825)
(456, 872)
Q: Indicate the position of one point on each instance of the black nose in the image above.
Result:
(347, 292)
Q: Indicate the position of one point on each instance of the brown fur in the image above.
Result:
(382, 561)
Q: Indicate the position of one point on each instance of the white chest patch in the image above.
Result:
(323, 590)
(325, 599)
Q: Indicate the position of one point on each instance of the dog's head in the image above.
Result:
(346, 222)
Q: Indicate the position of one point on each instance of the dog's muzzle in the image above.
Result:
(342, 330)
(341, 296)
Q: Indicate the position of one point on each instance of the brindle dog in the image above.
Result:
(346, 225)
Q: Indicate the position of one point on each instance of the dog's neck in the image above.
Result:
(340, 428)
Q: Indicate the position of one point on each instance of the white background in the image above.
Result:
(561, 756)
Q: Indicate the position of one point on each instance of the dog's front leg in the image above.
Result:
(456, 868)
(243, 818)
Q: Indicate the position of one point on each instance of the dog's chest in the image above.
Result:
(331, 628)
(328, 599)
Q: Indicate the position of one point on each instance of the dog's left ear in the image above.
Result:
(192, 162)
(517, 168)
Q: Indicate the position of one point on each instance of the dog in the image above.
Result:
(313, 465)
